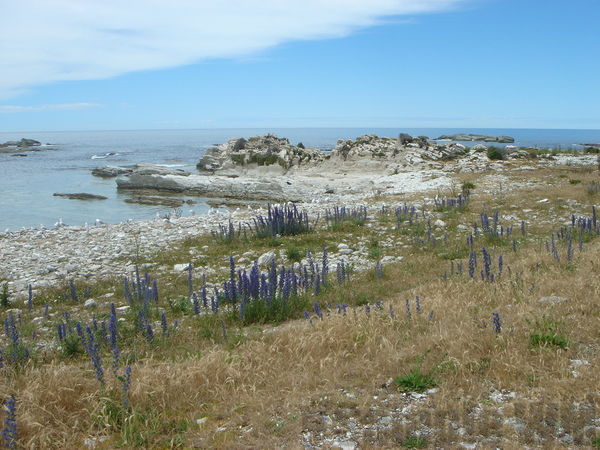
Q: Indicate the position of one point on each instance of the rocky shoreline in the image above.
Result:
(269, 168)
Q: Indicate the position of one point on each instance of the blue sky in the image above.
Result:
(309, 63)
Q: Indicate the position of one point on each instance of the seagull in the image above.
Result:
(60, 223)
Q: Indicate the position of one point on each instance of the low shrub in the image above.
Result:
(496, 153)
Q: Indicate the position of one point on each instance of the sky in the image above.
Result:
(169, 64)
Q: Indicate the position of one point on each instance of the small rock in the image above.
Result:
(90, 303)
(342, 246)
(553, 300)
(344, 445)
(180, 267)
(439, 223)
(544, 200)
(266, 259)
(202, 420)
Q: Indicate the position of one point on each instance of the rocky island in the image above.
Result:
(20, 146)
(477, 137)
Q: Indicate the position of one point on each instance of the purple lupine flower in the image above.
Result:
(149, 333)
(125, 386)
(430, 317)
(555, 251)
(378, 269)
(196, 303)
(73, 291)
(306, 315)
(392, 313)
(30, 300)
(61, 331)
(154, 290)
(487, 263)
(500, 264)
(46, 311)
(9, 432)
(164, 325)
(570, 249)
(94, 354)
(514, 246)
(318, 284)
(190, 279)
(103, 334)
(379, 305)
(368, 309)
(408, 314)
(418, 304)
(317, 310)
(126, 290)
(497, 323)
(325, 267)
(472, 263)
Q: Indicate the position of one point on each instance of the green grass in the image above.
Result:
(415, 381)
(595, 442)
(547, 334)
(294, 254)
(544, 340)
(414, 442)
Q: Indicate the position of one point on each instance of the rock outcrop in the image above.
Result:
(477, 137)
(243, 155)
(81, 196)
(405, 149)
(23, 143)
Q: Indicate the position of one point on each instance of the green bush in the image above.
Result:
(294, 254)
(496, 153)
(71, 346)
(4, 296)
(574, 181)
(238, 159)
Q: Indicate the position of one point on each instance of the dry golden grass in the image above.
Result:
(270, 386)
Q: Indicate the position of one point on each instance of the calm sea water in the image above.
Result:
(27, 184)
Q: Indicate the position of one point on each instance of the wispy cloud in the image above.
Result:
(44, 41)
(56, 107)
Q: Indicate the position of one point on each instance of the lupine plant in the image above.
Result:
(286, 220)
(9, 432)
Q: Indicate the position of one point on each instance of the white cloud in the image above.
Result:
(44, 41)
(55, 107)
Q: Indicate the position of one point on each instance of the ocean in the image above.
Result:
(27, 183)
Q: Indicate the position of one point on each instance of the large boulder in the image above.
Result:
(110, 171)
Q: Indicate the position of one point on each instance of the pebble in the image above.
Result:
(553, 300)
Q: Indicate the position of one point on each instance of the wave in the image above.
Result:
(106, 155)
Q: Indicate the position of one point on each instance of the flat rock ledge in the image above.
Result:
(199, 185)
(80, 196)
